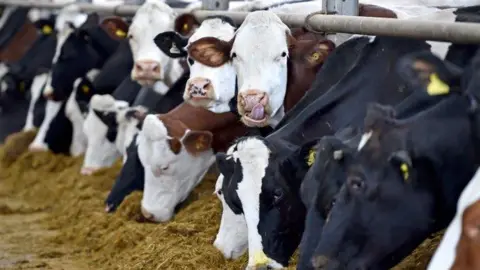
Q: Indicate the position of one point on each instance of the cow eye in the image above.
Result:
(130, 36)
(190, 60)
(234, 55)
(284, 54)
(164, 168)
(277, 195)
(355, 183)
(219, 192)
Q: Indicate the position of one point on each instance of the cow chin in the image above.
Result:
(255, 123)
(203, 102)
(146, 82)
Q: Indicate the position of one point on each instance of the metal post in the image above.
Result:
(342, 7)
(215, 4)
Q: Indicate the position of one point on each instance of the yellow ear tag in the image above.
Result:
(404, 169)
(311, 157)
(437, 86)
(47, 29)
(21, 86)
(120, 33)
(185, 27)
(260, 259)
(315, 56)
(85, 89)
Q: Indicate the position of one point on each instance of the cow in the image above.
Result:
(22, 79)
(80, 50)
(256, 67)
(166, 142)
(277, 180)
(150, 63)
(397, 161)
(458, 243)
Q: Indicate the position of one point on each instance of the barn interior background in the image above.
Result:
(51, 217)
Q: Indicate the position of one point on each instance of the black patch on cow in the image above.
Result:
(127, 91)
(85, 49)
(110, 120)
(39, 109)
(172, 44)
(232, 175)
(60, 132)
(131, 178)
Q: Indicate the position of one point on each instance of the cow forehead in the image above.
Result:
(152, 16)
(213, 28)
(175, 128)
(265, 40)
(250, 151)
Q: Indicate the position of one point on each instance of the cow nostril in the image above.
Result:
(156, 69)
(138, 67)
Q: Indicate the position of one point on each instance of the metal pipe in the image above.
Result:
(466, 33)
(215, 4)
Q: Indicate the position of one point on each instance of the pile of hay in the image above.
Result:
(52, 183)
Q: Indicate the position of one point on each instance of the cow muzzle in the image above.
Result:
(323, 262)
(253, 107)
(147, 215)
(199, 92)
(147, 72)
(88, 170)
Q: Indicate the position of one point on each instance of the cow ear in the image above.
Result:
(185, 24)
(116, 27)
(172, 44)
(426, 71)
(211, 51)
(196, 142)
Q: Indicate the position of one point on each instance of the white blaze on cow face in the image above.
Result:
(36, 90)
(75, 115)
(211, 87)
(170, 173)
(52, 108)
(253, 156)
(232, 236)
(259, 55)
(100, 151)
(151, 64)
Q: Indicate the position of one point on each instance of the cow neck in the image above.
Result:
(102, 43)
(232, 104)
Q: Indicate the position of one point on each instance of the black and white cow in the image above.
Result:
(81, 52)
(262, 176)
(397, 163)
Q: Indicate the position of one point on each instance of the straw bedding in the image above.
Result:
(43, 182)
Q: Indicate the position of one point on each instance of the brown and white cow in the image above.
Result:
(176, 149)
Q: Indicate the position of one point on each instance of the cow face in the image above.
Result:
(319, 189)
(259, 53)
(262, 186)
(232, 236)
(151, 64)
(165, 147)
(211, 84)
(101, 129)
(80, 49)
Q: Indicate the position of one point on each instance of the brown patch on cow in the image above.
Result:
(185, 24)
(20, 43)
(468, 246)
(290, 40)
(210, 51)
(375, 11)
(307, 55)
(175, 130)
(115, 27)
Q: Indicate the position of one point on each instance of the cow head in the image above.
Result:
(259, 53)
(211, 83)
(150, 63)
(319, 188)
(264, 187)
(165, 147)
(80, 49)
(104, 127)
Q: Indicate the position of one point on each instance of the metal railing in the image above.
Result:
(466, 33)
